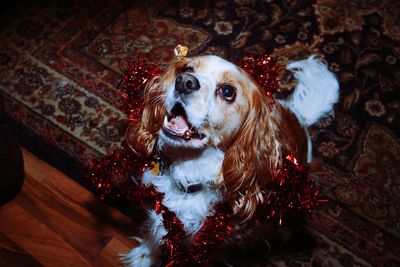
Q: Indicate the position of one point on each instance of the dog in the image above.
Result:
(220, 139)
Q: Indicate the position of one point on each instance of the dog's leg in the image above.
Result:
(146, 254)
(140, 256)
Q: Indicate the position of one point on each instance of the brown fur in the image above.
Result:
(268, 133)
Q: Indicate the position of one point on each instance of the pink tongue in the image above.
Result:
(178, 123)
(181, 122)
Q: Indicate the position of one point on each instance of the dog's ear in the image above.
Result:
(252, 158)
(142, 134)
(269, 132)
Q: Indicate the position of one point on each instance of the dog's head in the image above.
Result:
(206, 102)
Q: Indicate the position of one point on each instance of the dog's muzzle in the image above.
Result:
(186, 83)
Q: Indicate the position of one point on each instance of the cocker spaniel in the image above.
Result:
(219, 139)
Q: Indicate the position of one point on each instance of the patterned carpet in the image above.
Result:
(60, 64)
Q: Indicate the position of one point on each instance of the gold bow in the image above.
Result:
(181, 51)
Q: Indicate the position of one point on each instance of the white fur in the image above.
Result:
(191, 209)
(316, 92)
(140, 256)
(156, 225)
(198, 104)
(200, 161)
(204, 107)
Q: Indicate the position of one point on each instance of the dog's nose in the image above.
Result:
(186, 83)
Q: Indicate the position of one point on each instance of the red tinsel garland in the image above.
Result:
(112, 176)
(132, 84)
(265, 71)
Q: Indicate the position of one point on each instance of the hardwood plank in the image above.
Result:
(77, 197)
(36, 238)
(12, 255)
(60, 223)
(112, 251)
(86, 237)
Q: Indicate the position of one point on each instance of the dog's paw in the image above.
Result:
(139, 256)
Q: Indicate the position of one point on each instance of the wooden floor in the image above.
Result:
(56, 222)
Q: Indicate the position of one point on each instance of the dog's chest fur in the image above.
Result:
(187, 170)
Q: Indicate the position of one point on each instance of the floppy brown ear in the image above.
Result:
(252, 158)
(269, 133)
(142, 134)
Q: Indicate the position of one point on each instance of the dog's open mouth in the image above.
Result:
(177, 125)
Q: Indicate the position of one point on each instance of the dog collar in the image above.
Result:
(190, 189)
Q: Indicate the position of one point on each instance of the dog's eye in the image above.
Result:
(228, 92)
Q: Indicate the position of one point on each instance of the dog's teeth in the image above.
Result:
(165, 120)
